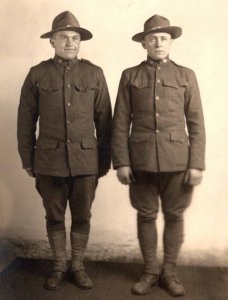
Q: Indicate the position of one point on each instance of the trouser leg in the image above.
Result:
(81, 197)
(57, 241)
(78, 247)
(53, 191)
(144, 198)
(147, 236)
(176, 197)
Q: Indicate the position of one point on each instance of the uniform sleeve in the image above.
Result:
(26, 122)
(195, 124)
(121, 124)
(103, 123)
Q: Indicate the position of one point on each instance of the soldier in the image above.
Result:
(70, 99)
(158, 148)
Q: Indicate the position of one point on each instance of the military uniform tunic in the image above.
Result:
(158, 120)
(71, 101)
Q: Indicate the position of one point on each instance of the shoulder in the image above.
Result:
(89, 65)
(42, 65)
(181, 68)
(37, 72)
(41, 68)
(133, 70)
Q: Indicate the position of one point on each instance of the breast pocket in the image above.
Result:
(50, 98)
(142, 96)
(84, 97)
(174, 94)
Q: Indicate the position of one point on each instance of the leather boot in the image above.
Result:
(144, 284)
(57, 240)
(147, 235)
(78, 246)
(173, 239)
(170, 281)
(54, 281)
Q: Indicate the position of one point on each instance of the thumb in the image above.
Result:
(186, 177)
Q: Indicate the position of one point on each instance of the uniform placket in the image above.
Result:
(68, 103)
(157, 108)
(157, 98)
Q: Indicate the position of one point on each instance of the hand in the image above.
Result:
(125, 175)
(30, 172)
(193, 177)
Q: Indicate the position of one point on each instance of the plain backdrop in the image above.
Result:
(202, 47)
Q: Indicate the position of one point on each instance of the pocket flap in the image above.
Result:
(177, 137)
(47, 144)
(49, 86)
(139, 138)
(173, 84)
(141, 84)
(83, 87)
(89, 143)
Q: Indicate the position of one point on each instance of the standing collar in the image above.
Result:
(65, 63)
(154, 63)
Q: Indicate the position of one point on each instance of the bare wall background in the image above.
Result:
(202, 47)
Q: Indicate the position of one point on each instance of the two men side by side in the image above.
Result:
(158, 145)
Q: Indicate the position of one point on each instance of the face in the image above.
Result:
(66, 44)
(157, 45)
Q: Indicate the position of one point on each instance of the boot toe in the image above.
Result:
(82, 280)
(54, 281)
(172, 285)
(145, 284)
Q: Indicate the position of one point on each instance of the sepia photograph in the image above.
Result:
(113, 153)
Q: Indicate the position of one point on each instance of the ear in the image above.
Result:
(143, 44)
(52, 42)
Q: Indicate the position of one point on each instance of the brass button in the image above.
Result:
(68, 104)
(68, 122)
(68, 85)
(68, 68)
(159, 68)
(68, 141)
(158, 81)
(157, 114)
(157, 131)
(157, 97)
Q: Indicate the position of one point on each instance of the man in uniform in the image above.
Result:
(158, 148)
(70, 99)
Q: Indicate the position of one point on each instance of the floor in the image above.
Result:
(23, 280)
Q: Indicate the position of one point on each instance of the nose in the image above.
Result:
(158, 42)
(69, 41)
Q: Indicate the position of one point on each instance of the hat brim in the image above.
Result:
(174, 31)
(85, 34)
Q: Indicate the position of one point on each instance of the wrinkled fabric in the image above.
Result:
(158, 121)
(72, 104)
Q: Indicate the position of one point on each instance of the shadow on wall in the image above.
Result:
(20, 207)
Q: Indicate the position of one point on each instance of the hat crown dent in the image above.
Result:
(157, 24)
(65, 19)
(156, 21)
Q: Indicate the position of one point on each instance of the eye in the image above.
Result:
(63, 38)
(152, 40)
